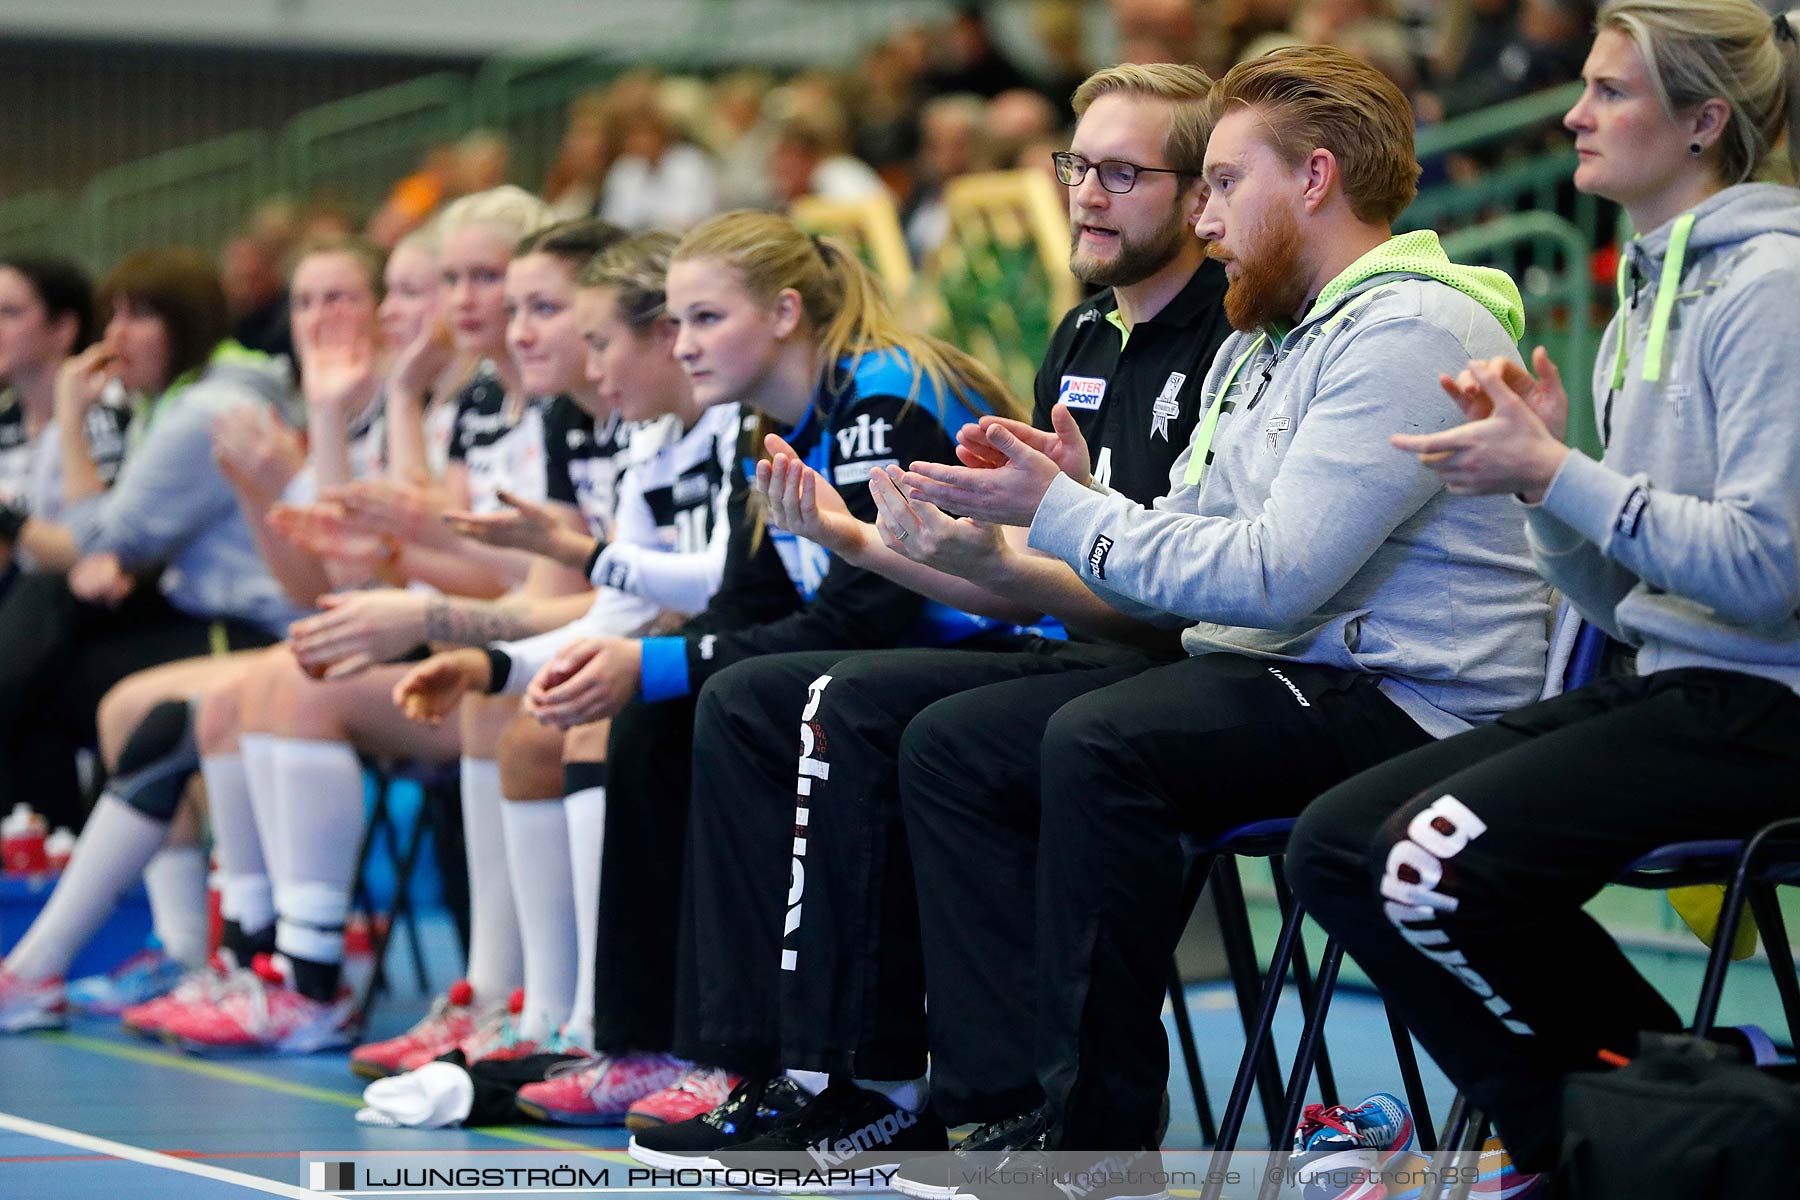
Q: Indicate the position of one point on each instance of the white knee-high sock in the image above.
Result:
(320, 789)
(175, 877)
(585, 813)
(245, 893)
(115, 846)
(544, 897)
(258, 753)
(495, 966)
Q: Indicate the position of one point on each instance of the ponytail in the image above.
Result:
(844, 304)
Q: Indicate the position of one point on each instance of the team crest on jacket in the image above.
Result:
(1166, 408)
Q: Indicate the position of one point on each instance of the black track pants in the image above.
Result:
(801, 949)
(1455, 875)
(1076, 906)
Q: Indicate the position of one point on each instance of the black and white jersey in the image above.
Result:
(667, 552)
(368, 440)
(500, 440)
(31, 468)
(583, 460)
(367, 453)
(669, 543)
(1136, 395)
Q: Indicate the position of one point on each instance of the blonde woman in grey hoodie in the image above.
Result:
(1474, 855)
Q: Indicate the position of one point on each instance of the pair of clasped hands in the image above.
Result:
(1511, 442)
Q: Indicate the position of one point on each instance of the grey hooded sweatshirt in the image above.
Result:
(1307, 536)
(171, 505)
(1684, 539)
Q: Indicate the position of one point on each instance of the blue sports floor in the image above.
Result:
(95, 1113)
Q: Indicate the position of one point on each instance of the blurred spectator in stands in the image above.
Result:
(1243, 22)
(1323, 22)
(1468, 37)
(412, 201)
(325, 216)
(1035, 156)
(742, 138)
(884, 110)
(589, 143)
(810, 159)
(1544, 47)
(967, 61)
(1382, 43)
(1015, 120)
(483, 161)
(253, 272)
(1061, 29)
(660, 180)
(953, 130)
(1171, 31)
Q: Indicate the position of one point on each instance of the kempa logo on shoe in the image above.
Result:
(828, 1153)
(811, 768)
(1415, 867)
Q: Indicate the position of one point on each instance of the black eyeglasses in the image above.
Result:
(1116, 175)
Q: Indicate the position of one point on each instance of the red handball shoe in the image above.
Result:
(599, 1091)
(452, 1018)
(261, 1011)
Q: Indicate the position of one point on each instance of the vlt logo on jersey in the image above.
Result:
(1081, 391)
(866, 437)
(1166, 408)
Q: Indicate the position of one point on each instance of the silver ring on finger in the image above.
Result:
(899, 534)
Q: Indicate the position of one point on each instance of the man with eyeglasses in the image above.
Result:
(800, 943)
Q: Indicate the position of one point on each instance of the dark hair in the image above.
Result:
(182, 288)
(64, 290)
(574, 242)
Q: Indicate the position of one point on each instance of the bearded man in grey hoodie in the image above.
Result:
(1457, 874)
(1337, 604)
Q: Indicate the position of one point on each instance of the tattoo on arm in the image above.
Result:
(471, 622)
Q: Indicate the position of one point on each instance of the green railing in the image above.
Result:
(35, 223)
(357, 148)
(527, 99)
(1498, 122)
(192, 196)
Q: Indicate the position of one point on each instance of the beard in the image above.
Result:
(1271, 283)
(1138, 258)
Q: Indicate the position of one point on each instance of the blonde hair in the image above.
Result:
(636, 271)
(1183, 87)
(841, 300)
(511, 211)
(843, 303)
(423, 239)
(1731, 50)
(1313, 97)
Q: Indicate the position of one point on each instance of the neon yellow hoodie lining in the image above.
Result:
(1416, 253)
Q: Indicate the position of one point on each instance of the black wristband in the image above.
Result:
(499, 668)
(594, 558)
